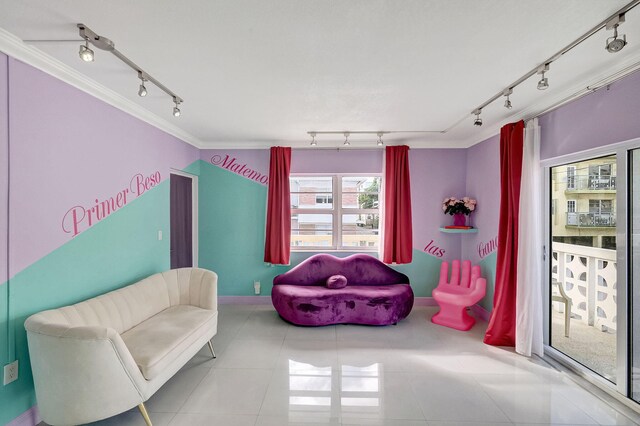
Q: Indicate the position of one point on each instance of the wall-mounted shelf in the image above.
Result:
(459, 231)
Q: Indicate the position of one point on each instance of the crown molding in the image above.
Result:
(14, 47)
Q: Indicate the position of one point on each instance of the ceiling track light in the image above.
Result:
(507, 102)
(142, 91)
(543, 84)
(346, 139)
(615, 44)
(313, 139)
(478, 120)
(380, 142)
(85, 53)
(176, 110)
(103, 43)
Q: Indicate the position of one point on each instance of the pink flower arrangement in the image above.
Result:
(452, 205)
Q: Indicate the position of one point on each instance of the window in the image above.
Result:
(571, 177)
(351, 223)
(572, 216)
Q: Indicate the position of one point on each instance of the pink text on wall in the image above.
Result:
(230, 163)
(486, 248)
(433, 249)
(78, 218)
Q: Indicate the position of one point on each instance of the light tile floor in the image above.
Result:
(270, 373)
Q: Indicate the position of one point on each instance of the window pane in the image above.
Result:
(311, 230)
(311, 184)
(310, 200)
(360, 192)
(360, 230)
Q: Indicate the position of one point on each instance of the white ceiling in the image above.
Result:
(259, 73)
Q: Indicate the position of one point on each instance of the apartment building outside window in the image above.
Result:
(335, 212)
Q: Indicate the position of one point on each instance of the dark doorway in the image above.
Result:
(181, 212)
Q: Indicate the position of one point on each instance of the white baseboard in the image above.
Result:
(31, 417)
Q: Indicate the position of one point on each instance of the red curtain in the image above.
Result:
(277, 246)
(502, 323)
(397, 232)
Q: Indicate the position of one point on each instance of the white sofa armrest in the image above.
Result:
(82, 373)
(203, 288)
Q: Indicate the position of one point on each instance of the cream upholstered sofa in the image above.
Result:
(106, 355)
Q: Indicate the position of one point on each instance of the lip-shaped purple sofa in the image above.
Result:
(375, 293)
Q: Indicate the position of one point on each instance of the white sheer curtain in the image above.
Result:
(529, 308)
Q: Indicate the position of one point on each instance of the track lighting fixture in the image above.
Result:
(478, 120)
(86, 54)
(543, 84)
(346, 139)
(103, 43)
(176, 110)
(615, 44)
(142, 91)
(313, 139)
(380, 143)
(507, 102)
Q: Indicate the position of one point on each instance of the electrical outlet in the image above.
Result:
(256, 287)
(11, 372)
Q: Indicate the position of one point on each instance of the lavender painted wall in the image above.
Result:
(337, 160)
(436, 174)
(72, 161)
(601, 118)
(483, 184)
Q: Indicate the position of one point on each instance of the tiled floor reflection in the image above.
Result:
(270, 373)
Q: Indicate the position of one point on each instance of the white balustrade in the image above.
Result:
(588, 276)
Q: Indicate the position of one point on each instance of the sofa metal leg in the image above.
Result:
(213, 354)
(144, 413)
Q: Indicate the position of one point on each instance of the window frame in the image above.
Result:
(337, 212)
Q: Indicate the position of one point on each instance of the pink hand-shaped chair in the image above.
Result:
(455, 295)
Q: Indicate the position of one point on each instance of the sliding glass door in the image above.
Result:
(584, 229)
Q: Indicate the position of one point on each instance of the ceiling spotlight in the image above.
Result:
(142, 91)
(176, 110)
(615, 44)
(380, 143)
(478, 120)
(346, 139)
(507, 102)
(86, 54)
(543, 84)
(313, 139)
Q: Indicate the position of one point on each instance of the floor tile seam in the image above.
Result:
(495, 403)
(172, 417)
(194, 389)
(264, 396)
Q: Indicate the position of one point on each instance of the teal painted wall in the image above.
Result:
(488, 265)
(231, 237)
(119, 250)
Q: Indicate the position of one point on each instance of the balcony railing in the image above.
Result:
(591, 183)
(588, 276)
(590, 220)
